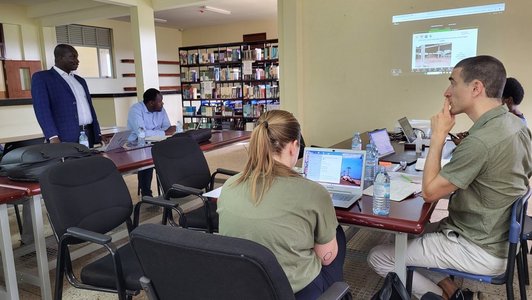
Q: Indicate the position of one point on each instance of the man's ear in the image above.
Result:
(478, 88)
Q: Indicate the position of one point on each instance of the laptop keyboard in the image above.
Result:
(341, 196)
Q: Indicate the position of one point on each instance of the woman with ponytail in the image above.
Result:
(271, 204)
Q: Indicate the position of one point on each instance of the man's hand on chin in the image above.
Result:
(442, 122)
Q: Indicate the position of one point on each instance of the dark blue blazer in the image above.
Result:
(55, 106)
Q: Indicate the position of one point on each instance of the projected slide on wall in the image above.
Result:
(433, 42)
(439, 51)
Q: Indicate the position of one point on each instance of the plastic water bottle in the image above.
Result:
(356, 142)
(141, 137)
(381, 193)
(418, 142)
(83, 139)
(371, 163)
(178, 127)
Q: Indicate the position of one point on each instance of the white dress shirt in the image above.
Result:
(84, 112)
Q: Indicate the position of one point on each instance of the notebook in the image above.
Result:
(118, 139)
(340, 171)
(402, 186)
(382, 141)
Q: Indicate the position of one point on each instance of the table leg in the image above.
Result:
(8, 261)
(400, 254)
(40, 247)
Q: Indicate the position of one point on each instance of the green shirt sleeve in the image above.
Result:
(465, 167)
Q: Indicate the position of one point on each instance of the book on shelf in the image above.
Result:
(189, 110)
(227, 111)
(206, 88)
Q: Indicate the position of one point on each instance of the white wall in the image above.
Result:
(228, 33)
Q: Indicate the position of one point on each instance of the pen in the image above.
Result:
(407, 178)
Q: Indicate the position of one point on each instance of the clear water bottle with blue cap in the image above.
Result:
(141, 137)
(356, 142)
(381, 193)
(83, 139)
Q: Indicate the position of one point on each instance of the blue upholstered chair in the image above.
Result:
(516, 230)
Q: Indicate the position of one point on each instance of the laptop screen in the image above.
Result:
(407, 129)
(334, 166)
(381, 139)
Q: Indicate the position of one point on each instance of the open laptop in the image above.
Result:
(340, 171)
(407, 130)
(382, 141)
(118, 139)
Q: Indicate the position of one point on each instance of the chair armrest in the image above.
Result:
(186, 189)
(335, 291)
(159, 201)
(225, 172)
(222, 172)
(89, 236)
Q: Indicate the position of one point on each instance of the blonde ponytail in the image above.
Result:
(274, 130)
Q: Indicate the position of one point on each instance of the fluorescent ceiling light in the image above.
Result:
(215, 10)
(454, 12)
(159, 20)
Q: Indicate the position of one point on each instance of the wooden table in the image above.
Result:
(406, 217)
(125, 161)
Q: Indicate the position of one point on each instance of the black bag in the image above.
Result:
(199, 135)
(27, 163)
(392, 289)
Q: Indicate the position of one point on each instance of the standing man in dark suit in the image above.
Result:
(62, 101)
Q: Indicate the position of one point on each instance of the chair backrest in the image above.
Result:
(180, 160)
(518, 217)
(187, 264)
(88, 193)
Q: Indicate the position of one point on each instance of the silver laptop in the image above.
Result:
(407, 130)
(381, 139)
(340, 171)
(117, 141)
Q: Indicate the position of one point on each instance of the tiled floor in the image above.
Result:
(362, 280)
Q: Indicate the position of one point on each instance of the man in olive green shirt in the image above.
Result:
(489, 170)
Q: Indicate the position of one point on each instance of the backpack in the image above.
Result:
(27, 163)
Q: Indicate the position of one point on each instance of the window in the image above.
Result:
(94, 48)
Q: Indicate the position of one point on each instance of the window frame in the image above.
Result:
(77, 35)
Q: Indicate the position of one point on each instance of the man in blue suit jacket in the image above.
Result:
(62, 101)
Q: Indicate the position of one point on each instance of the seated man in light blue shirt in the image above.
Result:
(151, 116)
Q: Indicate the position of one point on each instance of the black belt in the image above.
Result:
(85, 127)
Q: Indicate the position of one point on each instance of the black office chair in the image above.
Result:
(515, 233)
(526, 236)
(86, 198)
(186, 264)
(182, 171)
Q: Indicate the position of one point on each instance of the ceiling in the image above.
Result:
(180, 14)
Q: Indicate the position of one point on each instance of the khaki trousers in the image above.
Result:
(437, 250)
